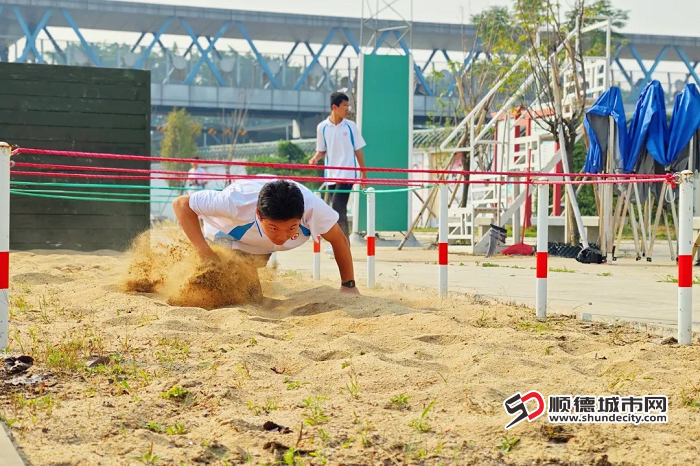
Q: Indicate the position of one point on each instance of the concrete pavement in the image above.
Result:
(8, 454)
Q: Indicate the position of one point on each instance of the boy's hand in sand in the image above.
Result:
(189, 221)
(341, 252)
(207, 254)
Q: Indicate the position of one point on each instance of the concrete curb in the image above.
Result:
(8, 454)
(650, 327)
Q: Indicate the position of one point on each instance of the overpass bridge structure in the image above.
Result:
(224, 67)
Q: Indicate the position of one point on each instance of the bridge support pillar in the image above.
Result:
(305, 127)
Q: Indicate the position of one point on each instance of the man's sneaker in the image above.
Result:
(329, 251)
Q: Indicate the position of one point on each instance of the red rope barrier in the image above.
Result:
(83, 168)
(373, 181)
(658, 179)
(97, 155)
(383, 182)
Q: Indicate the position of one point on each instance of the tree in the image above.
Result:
(586, 198)
(592, 12)
(179, 141)
(236, 126)
(550, 54)
(495, 40)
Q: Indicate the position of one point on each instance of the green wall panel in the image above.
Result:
(385, 114)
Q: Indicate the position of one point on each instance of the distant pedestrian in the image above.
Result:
(340, 142)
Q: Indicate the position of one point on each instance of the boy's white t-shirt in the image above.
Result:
(339, 142)
(230, 214)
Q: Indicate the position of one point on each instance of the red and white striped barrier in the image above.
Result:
(371, 233)
(317, 258)
(542, 249)
(442, 242)
(5, 153)
(685, 258)
(355, 211)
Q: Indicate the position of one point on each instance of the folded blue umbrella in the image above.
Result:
(648, 128)
(598, 128)
(685, 122)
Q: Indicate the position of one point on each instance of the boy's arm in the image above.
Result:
(189, 221)
(359, 143)
(361, 162)
(318, 156)
(343, 255)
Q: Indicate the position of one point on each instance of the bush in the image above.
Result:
(179, 142)
(287, 152)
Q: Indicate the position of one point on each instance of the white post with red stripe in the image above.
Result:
(371, 233)
(355, 211)
(542, 248)
(317, 258)
(5, 153)
(442, 241)
(685, 258)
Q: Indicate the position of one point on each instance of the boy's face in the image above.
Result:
(342, 110)
(280, 231)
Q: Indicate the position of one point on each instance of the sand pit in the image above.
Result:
(316, 371)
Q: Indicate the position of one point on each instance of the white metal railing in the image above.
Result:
(491, 200)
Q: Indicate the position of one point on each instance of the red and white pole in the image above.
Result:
(5, 153)
(442, 242)
(317, 258)
(542, 248)
(371, 233)
(685, 258)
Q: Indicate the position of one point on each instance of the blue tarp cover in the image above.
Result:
(684, 122)
(608, 104)
(648, 127)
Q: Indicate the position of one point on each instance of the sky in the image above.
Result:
(670, 17)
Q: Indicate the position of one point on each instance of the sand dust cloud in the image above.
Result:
(165, 263)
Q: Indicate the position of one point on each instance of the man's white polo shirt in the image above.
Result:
(230, 215)
(339, 142)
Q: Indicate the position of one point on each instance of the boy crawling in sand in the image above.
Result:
(258, 217)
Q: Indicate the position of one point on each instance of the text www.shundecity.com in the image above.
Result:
(607, 419)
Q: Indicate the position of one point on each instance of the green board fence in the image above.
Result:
(79, 109)
(385, 118)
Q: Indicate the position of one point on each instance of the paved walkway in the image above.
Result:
(8, 454)
(624, 289)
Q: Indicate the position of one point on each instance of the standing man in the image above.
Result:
(194, 176)
(340, 142)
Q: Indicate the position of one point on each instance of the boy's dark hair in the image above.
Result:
(281, 200)
(338, 98)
